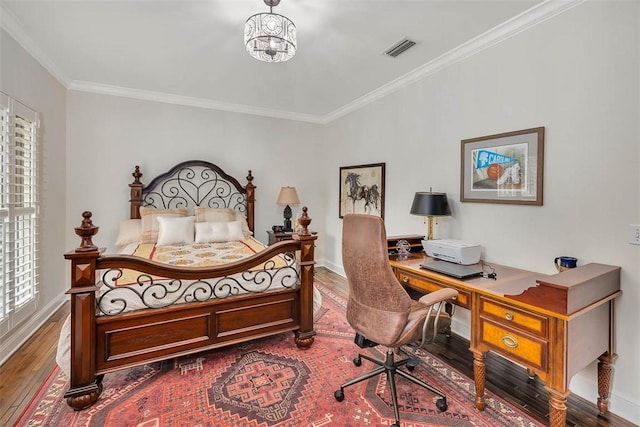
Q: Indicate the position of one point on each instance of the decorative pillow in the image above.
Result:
(174, 231)
(222, 215)
(215, 214)
(218, 232)
(243, 221)
(130, 232)
(150, 224)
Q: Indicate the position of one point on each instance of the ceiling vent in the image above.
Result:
(399, 47)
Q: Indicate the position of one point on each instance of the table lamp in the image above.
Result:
(288, 196)
(430, 204)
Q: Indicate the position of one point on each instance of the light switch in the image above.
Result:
(634, 234)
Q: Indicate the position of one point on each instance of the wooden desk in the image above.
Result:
(554, 325)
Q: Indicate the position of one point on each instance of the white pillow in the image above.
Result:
(222, 215)
(150, 224)
(130, 232)
(218, 232)
(214, 214)
(175, 230)
(243, 221)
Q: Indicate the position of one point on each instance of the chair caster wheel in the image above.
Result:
(412, 363)
(339, 395)
(357, 360)
(441, 404)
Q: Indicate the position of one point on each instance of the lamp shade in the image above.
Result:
(288, 196)
(430, 204)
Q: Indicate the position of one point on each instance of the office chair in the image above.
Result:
(380, 310)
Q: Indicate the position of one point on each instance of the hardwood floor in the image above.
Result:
(22, 374)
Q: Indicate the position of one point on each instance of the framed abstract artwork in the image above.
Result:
(503, 168)
(362, 189)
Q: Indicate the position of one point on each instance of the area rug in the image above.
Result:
(270, 382)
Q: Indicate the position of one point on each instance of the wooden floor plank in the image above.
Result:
(23, 373)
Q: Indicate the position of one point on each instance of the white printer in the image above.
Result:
(456, 251)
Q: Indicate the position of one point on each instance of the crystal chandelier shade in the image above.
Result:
(270, 37)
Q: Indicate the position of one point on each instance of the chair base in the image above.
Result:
(390, 367)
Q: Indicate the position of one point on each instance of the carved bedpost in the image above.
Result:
(85, 387)
(136, 194)
(305, 335)
(250, 201)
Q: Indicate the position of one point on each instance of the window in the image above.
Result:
(19, 209)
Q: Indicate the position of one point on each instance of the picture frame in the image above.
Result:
(362, 189)
(503, 168)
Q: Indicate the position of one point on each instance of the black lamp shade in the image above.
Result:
(430, 204)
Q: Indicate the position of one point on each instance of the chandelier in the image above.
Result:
(270, 37)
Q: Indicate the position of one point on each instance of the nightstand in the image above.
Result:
(279, 237)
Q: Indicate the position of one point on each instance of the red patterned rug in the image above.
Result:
(270, 382)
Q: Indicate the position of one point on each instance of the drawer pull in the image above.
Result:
(510, 341)
(509, 316)
(405, 280)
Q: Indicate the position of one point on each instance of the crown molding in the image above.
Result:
(522, 22)
(519, 23)
(189, 101)
(11, 25)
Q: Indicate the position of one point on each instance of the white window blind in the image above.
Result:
(19, 209)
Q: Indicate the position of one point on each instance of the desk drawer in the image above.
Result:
(425, 285)
(515, 318)
(514, 344)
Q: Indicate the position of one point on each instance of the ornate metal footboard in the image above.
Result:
(148, 291)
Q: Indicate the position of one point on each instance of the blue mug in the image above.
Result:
(563, 263)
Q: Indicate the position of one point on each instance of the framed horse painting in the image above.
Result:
(362, 189)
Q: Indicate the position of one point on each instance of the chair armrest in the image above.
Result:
(438, 296)
(434, 301)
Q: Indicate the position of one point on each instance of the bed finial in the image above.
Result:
(136, 194)
(250, 177)
(86, 231)
(137, 175)
(304, 222)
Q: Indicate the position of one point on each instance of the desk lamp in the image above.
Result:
(430, 204)
(288, 196)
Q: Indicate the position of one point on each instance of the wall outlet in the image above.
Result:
(634, 234)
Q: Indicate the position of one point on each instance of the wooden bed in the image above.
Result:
(105, 343)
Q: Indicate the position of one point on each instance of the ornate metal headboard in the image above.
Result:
(190, 184)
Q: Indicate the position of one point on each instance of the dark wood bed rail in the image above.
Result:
(90, 357)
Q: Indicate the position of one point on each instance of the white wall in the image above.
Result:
(25, 80)
(109, 135)
(576, 74)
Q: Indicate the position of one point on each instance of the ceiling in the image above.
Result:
(191, 52)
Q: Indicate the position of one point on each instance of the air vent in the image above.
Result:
(399, 47)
